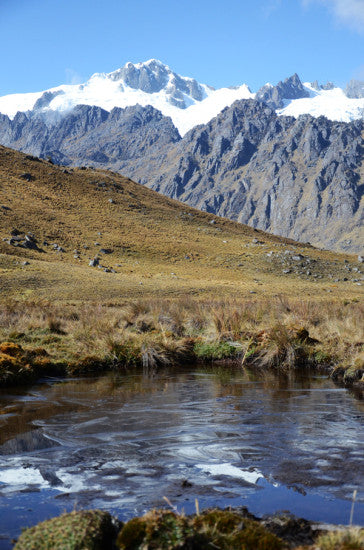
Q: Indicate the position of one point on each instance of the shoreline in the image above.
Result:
(20, 367)
(278, 335)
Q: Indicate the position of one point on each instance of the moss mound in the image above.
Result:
(225, 530)
(19, 366)
(86, 530)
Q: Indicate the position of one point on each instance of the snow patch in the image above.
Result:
(227, 469)
(16, 478)
(333, 104)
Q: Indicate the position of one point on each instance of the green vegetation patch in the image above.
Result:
(86, 530)
(215, 350)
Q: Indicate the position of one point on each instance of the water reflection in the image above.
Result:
(124, 442)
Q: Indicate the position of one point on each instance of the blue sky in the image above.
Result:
(45, 43)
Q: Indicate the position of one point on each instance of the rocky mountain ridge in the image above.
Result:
(301, 178)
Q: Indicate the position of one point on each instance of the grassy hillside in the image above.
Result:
(157, 245)
(173, 284)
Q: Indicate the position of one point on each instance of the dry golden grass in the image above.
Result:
(160, 247)
(260, 332)
(179, 278)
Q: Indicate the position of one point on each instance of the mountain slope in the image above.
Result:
(54, 222)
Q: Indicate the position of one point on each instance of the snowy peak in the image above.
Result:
(153, 76)
(274, 96)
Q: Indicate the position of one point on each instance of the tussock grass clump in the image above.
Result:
(277, 333)
(348, 539)
(86, 530)
(165, 530)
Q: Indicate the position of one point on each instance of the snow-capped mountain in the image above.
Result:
(186, 101)
(183, 99)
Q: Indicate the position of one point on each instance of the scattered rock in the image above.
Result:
(25, 263)
(31, 157)
(285, 271)
(105, 251)
(111, 201)
(361, 259)
(26, 176)
(94, 263)
(31, 245)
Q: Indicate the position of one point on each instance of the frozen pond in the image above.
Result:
(219, 435)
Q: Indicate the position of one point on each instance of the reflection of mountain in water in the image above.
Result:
(28, 442)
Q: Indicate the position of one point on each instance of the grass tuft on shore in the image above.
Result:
(348, 539)
(276, 334)
(225, 530)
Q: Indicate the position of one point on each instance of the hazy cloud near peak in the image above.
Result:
(72, 77)
(350, 12)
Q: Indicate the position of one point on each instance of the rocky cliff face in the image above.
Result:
(301, 178)
(90, 135)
